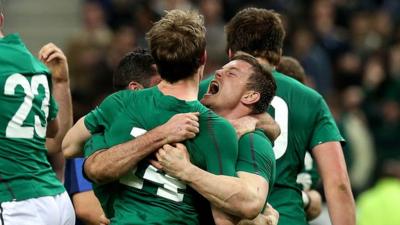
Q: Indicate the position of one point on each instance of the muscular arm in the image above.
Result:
(55, 59)
(108, 165)
(262, 121)
(75, 139)
(90, 215)
(62, 95)
(332, 167)
(242, 196)
(268, 125)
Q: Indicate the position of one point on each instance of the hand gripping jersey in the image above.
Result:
(26, 107)
(305, 121)
(146, 195)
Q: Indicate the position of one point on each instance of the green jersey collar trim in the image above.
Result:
(168, 101)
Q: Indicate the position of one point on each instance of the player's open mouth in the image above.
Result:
(213, 88)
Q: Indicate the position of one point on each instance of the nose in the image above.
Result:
(218, 73)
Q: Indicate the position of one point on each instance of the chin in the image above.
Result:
(206, 103)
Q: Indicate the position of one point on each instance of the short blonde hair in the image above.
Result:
(177, 43)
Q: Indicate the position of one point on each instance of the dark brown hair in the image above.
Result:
(258, 32)
(135, 66)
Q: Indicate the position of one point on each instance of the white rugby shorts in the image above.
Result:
(48, 210)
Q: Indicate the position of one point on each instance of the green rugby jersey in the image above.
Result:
(26, 107)
(257, 156)
(105, 193)
(305, 121)
(146, 195)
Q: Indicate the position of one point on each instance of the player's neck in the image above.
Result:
(265, 62)
(235, 113)
(187, 89)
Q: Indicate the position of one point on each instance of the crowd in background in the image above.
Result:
(350, 50)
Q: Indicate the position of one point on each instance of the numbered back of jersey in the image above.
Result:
(25, 106)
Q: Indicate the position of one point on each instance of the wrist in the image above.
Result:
(57, 81)
(189, 173)
(162, 135)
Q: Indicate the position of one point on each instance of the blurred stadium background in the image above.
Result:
(350, 50)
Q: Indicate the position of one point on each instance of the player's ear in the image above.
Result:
(133, 85)
(203, 58)
(250, 97)
(1, 20)
(230, 54)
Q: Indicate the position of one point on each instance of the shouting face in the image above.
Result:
(226, 91)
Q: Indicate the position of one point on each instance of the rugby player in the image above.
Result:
(29, 189)
(304, 118)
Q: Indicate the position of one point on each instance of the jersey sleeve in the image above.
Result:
(53, 109)
(103, 115)
(94, 144)
(222, 155)
(325, 129)
(204, 86)
(256, 156)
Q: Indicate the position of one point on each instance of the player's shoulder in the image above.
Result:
(286, 84)
(256, 137)
(215, 121)
(121, 96)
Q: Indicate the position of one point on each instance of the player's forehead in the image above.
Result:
(237, 65)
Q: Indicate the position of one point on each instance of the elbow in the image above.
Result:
(339, 184)
(66, 149)
(252, 207)
(97, 172)
(250, 210)
(91, 172)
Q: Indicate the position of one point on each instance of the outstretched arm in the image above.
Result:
(332, 167)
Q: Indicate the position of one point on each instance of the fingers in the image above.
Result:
(158, 155)
(193, 115)
(104, 220)
(180, 146)
(193, 129)
(165, 148)
(54, 55)
(46, 53)
(196, 114)
(156, 164)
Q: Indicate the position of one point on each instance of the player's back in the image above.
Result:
(153, 197)
(305, 122)
(26, 107)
